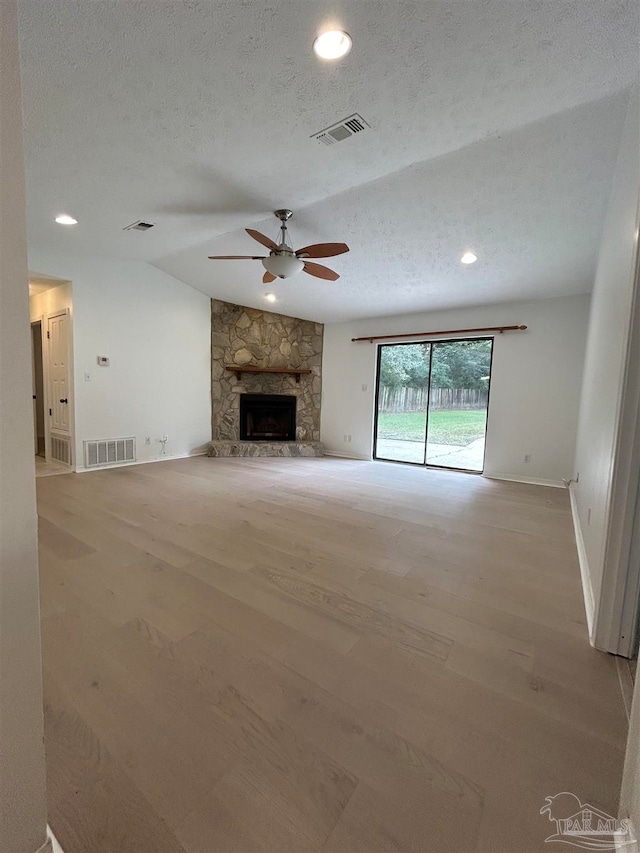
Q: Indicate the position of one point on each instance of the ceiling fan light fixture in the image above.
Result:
(333, 44)
(283, 266)
(283, 262)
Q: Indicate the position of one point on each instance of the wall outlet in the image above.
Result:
(365, 387)
(348, 439)
(527, 457)
(147, 439)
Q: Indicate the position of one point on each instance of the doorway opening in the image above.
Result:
(432, 400)
(37, 385)
(50, 310)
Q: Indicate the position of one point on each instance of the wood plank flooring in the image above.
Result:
(316, 654)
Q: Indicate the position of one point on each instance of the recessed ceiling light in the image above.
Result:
(65, 219)
(468, 258)
(332, 44)
(270, 297)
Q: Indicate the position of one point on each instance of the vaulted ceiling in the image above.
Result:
(494, 126)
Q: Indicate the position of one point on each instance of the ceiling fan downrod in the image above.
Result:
(283, 214)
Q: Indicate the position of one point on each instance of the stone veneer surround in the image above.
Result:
(265, 448)
(248, 336)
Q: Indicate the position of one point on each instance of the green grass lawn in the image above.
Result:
(445, 427)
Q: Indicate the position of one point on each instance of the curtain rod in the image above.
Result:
(501, 329)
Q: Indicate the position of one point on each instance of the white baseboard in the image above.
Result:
(625, 680)
(628, 841)
(341, 455)
(51, 845)
(54, 841)
(140, 462)
(587, 589)
(531, 481)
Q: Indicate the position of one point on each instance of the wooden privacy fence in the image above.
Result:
(404, 399)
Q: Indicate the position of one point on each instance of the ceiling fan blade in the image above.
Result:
(321, 271)
(267, 278)
(236, 257)
(323, 250)
(261, 238)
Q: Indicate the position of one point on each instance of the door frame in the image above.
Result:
(40, 321)
(425, 464)
(70, 385)
(374, 455)
(616, 627)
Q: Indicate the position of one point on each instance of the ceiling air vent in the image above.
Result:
(342, 130)
(139, 226)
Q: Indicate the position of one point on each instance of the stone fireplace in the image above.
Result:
(246, 338)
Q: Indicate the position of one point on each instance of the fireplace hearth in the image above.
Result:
(267, 417)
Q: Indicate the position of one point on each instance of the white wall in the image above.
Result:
(22, 772)
(534, 393)
(156, 332)
(57, 298)
(607, 455)
(602, 451)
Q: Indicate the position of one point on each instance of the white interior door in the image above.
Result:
(59, 378)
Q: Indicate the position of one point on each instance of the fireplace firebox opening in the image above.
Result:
(267, 417)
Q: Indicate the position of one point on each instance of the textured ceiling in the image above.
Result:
(494, 125)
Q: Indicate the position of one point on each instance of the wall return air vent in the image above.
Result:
(342, 130)
(61, 448)
(109, 451)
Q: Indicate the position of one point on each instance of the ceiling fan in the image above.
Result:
(283, 261)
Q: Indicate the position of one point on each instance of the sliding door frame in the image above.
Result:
(431, 343)
(376, 407)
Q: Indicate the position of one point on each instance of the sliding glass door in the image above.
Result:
(432, 401)
(458, 400)
(403, 393)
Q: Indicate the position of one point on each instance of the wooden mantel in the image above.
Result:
(252, 368)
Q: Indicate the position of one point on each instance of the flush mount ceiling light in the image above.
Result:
(468, 258)
(65, 219)
(332, 44)
(270, 297)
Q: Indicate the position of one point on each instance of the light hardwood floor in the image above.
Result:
(304, 655)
